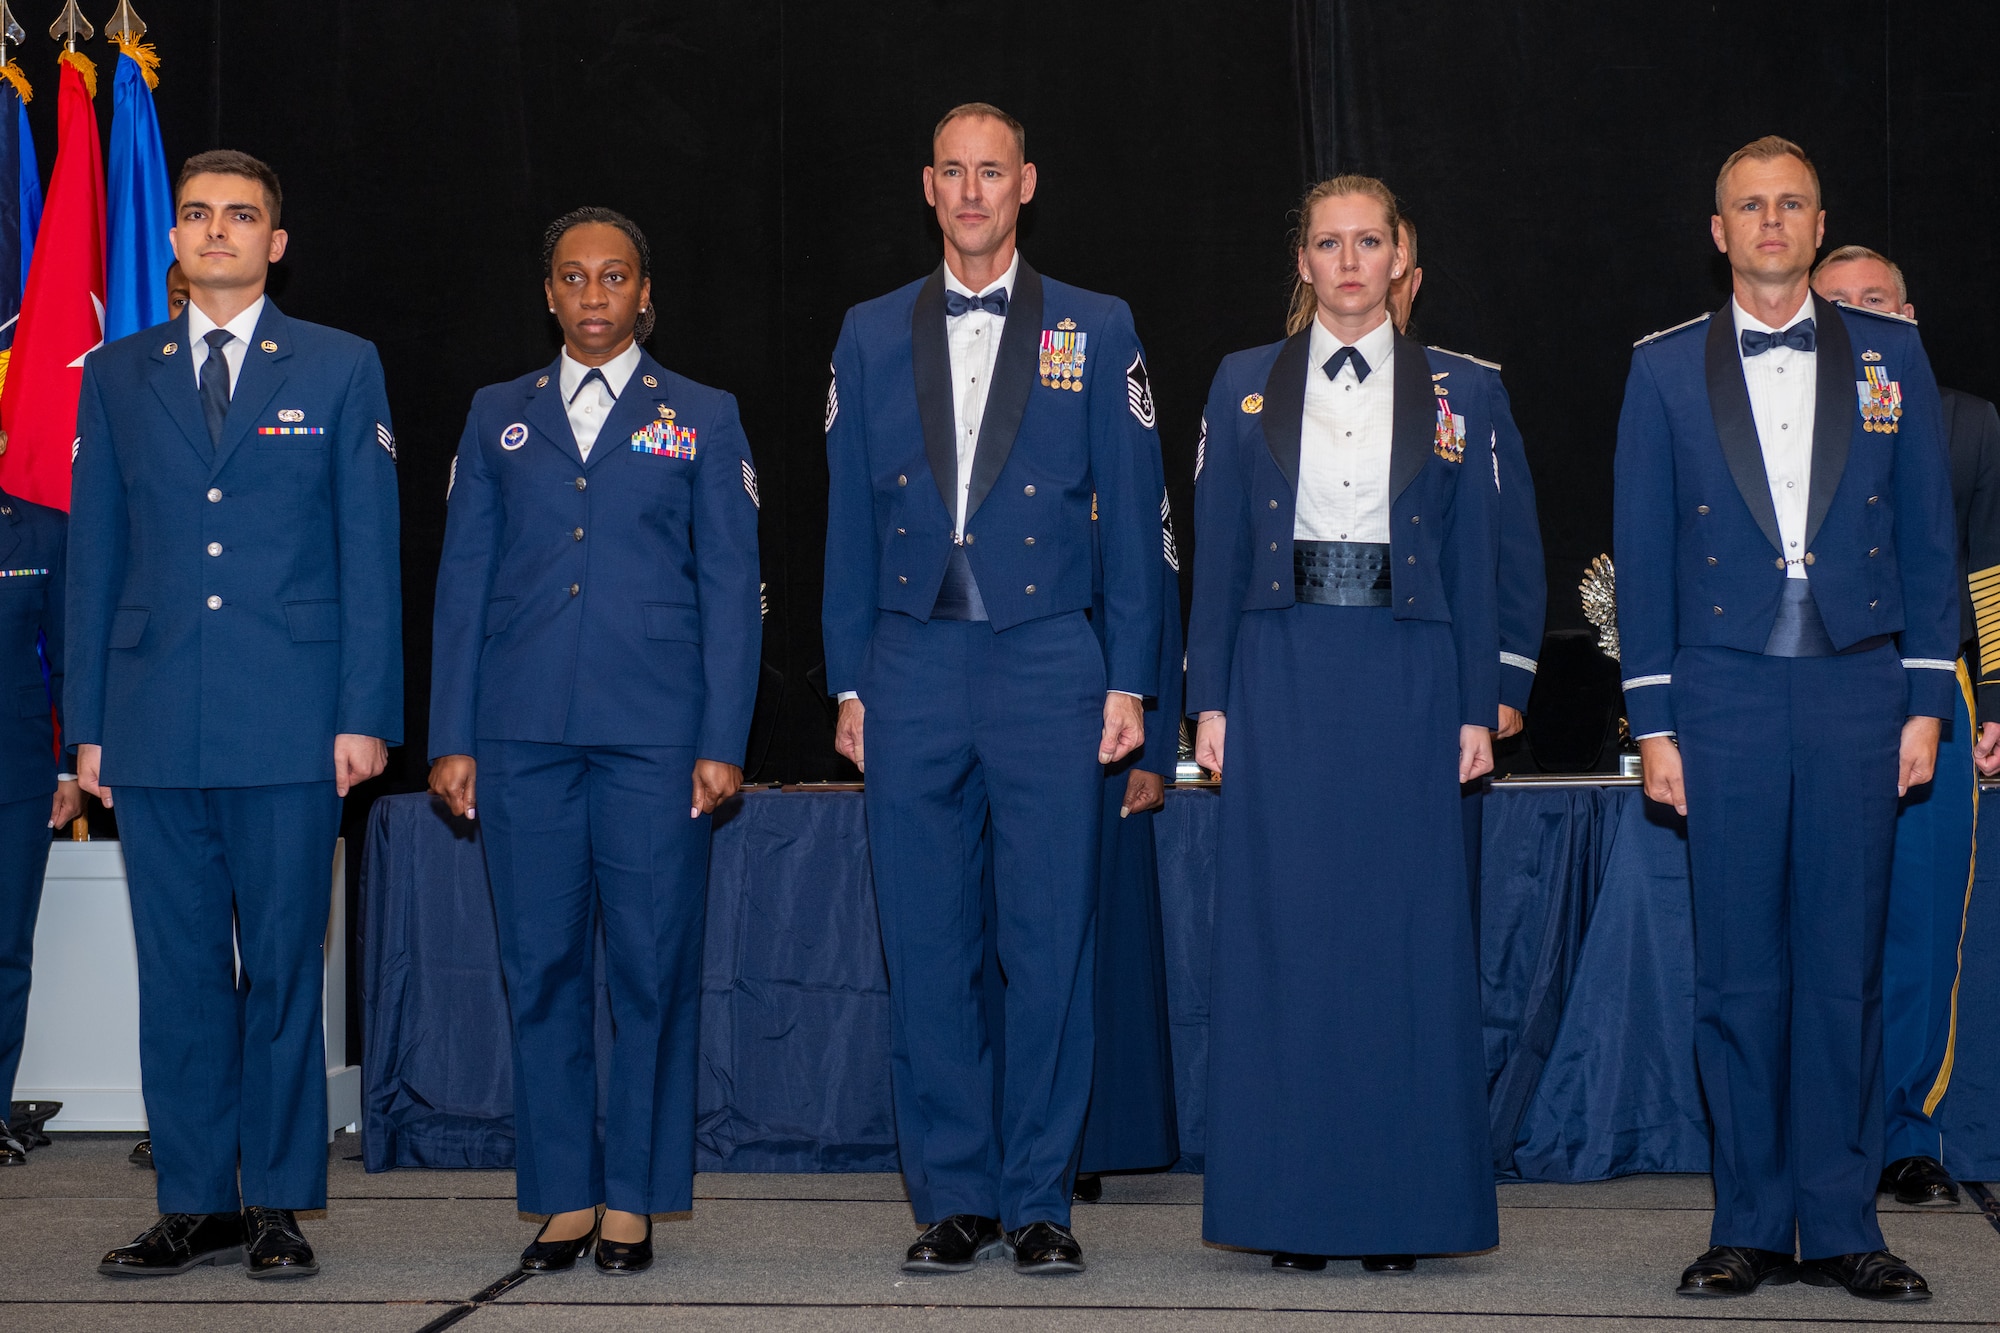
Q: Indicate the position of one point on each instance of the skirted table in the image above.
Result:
(1586, 962)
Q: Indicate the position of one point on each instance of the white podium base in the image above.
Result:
(82, 1045)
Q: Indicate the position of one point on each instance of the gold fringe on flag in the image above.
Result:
(11, 71)
(143, 54)
(81, 63)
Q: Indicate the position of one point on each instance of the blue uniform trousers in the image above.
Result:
(1791, 788)
(24, 859)
(234, 1063)
(580, 838)
(1928, 897)
(963, 721)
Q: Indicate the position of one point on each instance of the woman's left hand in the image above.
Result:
(1475, 753)
(715, 782)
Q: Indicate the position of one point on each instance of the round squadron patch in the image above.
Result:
(514, 436)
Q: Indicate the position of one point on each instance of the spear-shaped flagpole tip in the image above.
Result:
(11, 32)
(71, 27)
(124, 26)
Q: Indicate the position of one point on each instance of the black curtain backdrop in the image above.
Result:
(1559, 158)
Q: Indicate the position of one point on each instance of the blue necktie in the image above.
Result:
(958, 303)
(1341, 358)
(1800, 337)
(214, 383)
(594, 373)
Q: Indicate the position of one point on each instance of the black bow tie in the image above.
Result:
(1800, 337)
(1341, 358)
(993, 303)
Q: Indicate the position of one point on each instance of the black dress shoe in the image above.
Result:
(27, 1118)
(1736, 1270)
(1921, 1181)
(955, 1244)
(1089, 1188)
(556, 1256)
(274, 1246)
(1044, 1249)
(1880, 1276)
(623, 1258)
(13, 1152)
(176, 1243)
(1298, 1263)
(1388, 1263)
(141, 1154)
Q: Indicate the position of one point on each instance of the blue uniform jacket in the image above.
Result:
(1161, 752)
(32, 541)
(232, 609)
(613, 602)
(1441, 527)
(1045, 451)
(1696, 536)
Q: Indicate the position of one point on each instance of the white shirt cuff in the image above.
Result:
(1127, 693)
(844, 696)
(65, 777)
(1651, 734)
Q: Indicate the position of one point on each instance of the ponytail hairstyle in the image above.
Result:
(578, 217)
(1303, 300)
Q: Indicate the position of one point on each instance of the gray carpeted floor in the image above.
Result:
(403, 1250)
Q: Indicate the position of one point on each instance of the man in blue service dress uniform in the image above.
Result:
(235, 667)
(972, 418)
(1930, 892)
(1787, 613)
(32, 541)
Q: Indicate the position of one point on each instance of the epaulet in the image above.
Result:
(1687, 324)
(1464, 356)
(1879, 314)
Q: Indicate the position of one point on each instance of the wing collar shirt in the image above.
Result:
(1783, 384)
(589, 404)
(1345, 440)
(974, 342)
(241, 328)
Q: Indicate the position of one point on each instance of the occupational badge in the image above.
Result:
(1438, 375)
(1062, 357)
(1253, 403)
(514, 436)
(290, 414)
(1871, 355)
(1449, 441)
(666, 413)
(664, 439)
(1439, 390)
(1881, 400)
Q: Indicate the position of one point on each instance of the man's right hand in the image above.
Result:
(454, 777)
(1660, 759)
(88, 760)
(847, 732)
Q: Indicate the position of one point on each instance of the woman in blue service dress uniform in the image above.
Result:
(594, 661)
(1344, 642)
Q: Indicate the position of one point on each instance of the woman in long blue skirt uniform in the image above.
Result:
(1343, 667)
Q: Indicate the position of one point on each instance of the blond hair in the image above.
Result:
(1766, 149)
(1847, 254)
(1303, 300)
(964, 109)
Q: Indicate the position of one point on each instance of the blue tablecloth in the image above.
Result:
(1586, 954)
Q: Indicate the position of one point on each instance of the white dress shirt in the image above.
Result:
(243, 327)
(1784, 385)
(1345, 440)
(974, 341)
(591, 403)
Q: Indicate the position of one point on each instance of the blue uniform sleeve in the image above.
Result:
(1524, 585)
(371, 582)
(848, 599)
(1221, 552)
(472, 533)
(1128, 475)
(1471, 583)
(1163, 720)
(1926, 543)
(97, 570)
(53, 627)
(1643, 526)
(725, 549)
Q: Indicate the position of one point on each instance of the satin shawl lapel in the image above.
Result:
(930, 362)
(550, 419)
(174, 383)
(1015, 375)
(1284, 411)
(1729, 404)
(634, 408)
(1415, 416)
(1833, 412)
(263, 375)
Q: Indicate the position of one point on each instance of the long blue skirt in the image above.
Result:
(1347, 1101)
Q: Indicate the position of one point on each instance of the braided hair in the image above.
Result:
(580, 217)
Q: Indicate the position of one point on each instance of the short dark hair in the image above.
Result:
(964, 109)
(582, 217)
(229, 162)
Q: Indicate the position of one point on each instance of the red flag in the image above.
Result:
(62, 311)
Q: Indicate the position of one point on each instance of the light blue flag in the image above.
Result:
(139, 210)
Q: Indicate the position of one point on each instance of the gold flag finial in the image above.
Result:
(71, 27)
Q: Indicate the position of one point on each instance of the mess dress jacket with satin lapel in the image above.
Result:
(33, 543)
(608, 602)
(1442, 542)
(1699, 558)
(233, 607)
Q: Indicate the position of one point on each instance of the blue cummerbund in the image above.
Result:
(1341, 573)
(1799, 632)
(958, 596)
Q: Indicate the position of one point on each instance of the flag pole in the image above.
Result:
(11, 33)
